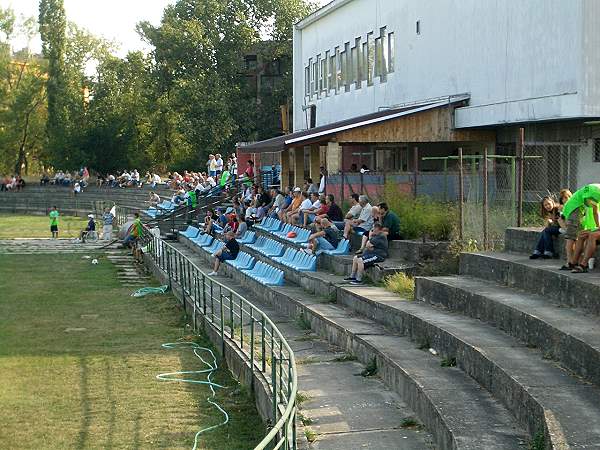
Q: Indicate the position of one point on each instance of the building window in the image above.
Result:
(418, 27)
(348, 67)
(332, 71)
(307, 80)
(357, 63)
(392, 159)
(381, 55)
(597, 150)
(391, 42)
(370, 59)
(313, 77)
(319, 76)
(326, 73)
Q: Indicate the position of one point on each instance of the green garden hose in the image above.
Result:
(150, 290)
(211, 368)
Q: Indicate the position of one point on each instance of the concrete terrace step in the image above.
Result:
(536, 276)
(531, 387)
(563, 334)
(452, 405)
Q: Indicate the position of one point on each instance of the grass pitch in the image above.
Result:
(79, 357)
(22, 226)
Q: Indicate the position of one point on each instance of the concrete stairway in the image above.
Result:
(395, 335)
(528, 333)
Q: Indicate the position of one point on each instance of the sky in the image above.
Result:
(114, 20)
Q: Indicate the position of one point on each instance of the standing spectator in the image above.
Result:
(233, 167)
(219, 163)
(135, 232)
(227, 253)
(212, 166)
(54, 222)
(323, 182)
(364, 222)
(376, 252)
(107, 219)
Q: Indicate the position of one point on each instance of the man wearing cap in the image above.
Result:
(91, 226)
(227, 253)
(294, 206)
(107, 219)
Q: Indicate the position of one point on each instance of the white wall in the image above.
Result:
(520, 60)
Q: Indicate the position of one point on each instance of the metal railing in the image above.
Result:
(244, 325)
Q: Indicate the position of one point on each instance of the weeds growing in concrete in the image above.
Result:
(401, 284)
(371, 369)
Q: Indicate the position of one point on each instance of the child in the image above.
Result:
(54, 222)
(550, 212)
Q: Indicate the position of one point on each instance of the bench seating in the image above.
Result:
(265, 274)
(244, 261)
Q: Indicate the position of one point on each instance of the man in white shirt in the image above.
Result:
(219, 162)
(323, 182)
(304, 206)
(364, 222)
(314, 207)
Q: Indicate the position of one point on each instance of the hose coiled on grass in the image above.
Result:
(210, 370)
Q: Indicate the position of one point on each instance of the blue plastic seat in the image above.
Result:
(288, 255)
(274, 249)
(343, 248)
(190, 232)
(265, 225)
(266, 274)
(248, 238)
(276, 225)
(244, 261)
(284, 231)
(302, 237)
(203, 240)
(259, 244)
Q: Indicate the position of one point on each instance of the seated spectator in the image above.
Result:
(571, 218)
(208, 222)
(45, 179)
(390, 222)
(155, 180)
(287, 201)
(375, 214)
(294, 216)
(334, 212)
(277, 200)
(76, 189)
(154, 199)
(4, 181)
(326, 237)
(550, 212)
(308, 215)
(294, 206)
(364, 222)
(242, 226)
(376, 251)
(91, 226)
(227, 253)
(310, 187)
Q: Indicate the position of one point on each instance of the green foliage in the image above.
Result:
(370, 369)
(421, 217)
(401, 284)
(448, 362)
(538, 442)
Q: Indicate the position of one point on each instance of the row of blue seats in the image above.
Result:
(281, 230)
(261, 272)
(297, 260)
(162, 208)
(267, 247)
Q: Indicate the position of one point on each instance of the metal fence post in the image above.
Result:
(521, 161)
(416, 170)
(461, 195)
(485, 200)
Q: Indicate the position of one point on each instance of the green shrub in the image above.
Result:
(401, 284)
(421, 217)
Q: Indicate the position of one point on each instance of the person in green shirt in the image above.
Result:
(54, 222)
(574, 213)
(136, 230)
(225, 178)
(390, 222)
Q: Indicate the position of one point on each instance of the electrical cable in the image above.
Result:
(210, 370)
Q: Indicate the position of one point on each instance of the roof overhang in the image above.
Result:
(325, 132)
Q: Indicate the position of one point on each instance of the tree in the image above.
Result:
(22, 99)
(53, 23)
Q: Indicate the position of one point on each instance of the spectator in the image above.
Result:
(90, 227)
(310, 187)
(308, 215)
(287, 201)
(155, 180)
(107, 219)
(277, 201)
(249, 172)
(334, 212)
(325, 238)
(304, 206)
(54, 222)
(365, 237)
(323, 181)
(364, 222)
(390, 222)
(154, 199)
(355, 208)
(76, 189)
(572, 213)
(212, 166)
(233, 167)
(225, 178)
(135, 232)
(45, 179)
(376, 251)
(242, 226)
(208, 221)
(219, 164)
(227, 253)
(550, 212)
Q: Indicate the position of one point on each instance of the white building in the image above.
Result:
(492, 66)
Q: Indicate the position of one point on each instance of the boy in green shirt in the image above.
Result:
(54, 222)
(581, 208)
